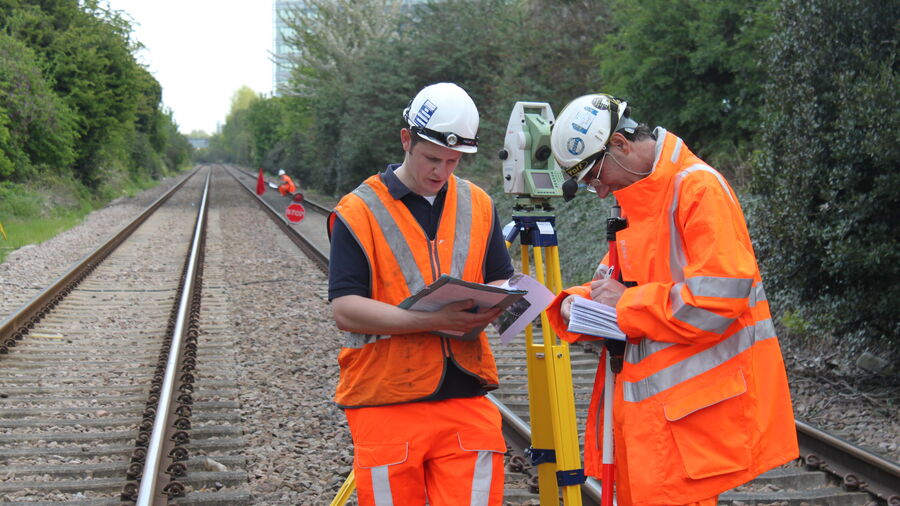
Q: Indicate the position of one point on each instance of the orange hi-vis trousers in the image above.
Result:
(448, 452)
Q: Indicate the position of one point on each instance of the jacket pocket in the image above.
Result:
(377, 455)
(481, 441)
(711, 428)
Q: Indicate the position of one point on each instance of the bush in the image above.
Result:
(828, 181)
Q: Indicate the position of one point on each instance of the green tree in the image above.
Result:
(89, 60)
(828, 183)
(39, 127)
(692, 67)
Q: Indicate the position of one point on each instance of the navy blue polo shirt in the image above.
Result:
(348, 270)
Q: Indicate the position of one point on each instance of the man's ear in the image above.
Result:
(620, 142)
(405, 139)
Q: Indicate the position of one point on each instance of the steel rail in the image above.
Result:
(857, 468)
(151, 478)
(318, 256)
(17, 324)
(518, 433)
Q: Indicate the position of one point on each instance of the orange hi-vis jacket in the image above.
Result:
(702, 402)
(287, 184)
(383, 370)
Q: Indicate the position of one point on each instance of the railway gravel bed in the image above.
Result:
(270, 305)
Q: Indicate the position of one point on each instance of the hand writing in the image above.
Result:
(607, 291)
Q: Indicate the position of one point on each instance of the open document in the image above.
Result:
(594, 319)
(525, 310)
(448, 289)
(522, 298)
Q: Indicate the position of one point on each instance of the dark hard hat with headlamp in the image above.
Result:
(581, 135)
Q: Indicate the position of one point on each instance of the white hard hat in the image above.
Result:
(583, 129)
(444, 114)
(280, 172)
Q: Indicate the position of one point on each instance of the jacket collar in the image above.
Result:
(648, 196)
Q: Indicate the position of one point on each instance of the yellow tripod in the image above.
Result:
(554, 431)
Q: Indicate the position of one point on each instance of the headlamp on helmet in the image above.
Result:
(445, 115)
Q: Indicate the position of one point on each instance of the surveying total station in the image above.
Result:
(530, 174)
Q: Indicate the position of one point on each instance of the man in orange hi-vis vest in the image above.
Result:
(701, 403)
(422, 428)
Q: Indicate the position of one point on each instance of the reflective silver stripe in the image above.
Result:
(757, 294)
(381, 486)
(634, 353)
(696, 316)
(677, 258)
(463, 227)
(482, 478)
(699, 363)
(726, 288)
(357, 340)
(399, 247)
(677, 151)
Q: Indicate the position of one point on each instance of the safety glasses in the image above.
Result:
(589, 182)
(448, 139)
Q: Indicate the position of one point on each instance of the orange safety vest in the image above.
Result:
(287, 184)
(702, 403)
(382, 370)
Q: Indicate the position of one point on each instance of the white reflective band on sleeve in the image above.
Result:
(482, 478)
(634, 353)
(757, 294)
(698, 317)
(357, 340)
(726, 288)
(699, 363)
(381, 486)
(400, 249)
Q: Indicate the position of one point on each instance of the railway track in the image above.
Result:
(830, 472)
(86, 374)
(80, 389)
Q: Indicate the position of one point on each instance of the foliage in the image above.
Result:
(39, 127)
(75, 99)
(828, 181)
(234, 143)
(802, 93)
(692, 67)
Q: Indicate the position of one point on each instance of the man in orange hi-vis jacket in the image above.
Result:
(287, 185)
(415, 402)
(701, 404)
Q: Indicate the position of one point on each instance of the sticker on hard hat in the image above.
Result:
(426, 111)
(583, 119)
(575, 145)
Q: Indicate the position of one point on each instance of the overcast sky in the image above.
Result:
(202, 51)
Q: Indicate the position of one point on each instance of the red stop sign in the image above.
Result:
(295, 212)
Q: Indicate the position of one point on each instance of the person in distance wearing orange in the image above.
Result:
(287, 185)
(701, 404)
(422, 429)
